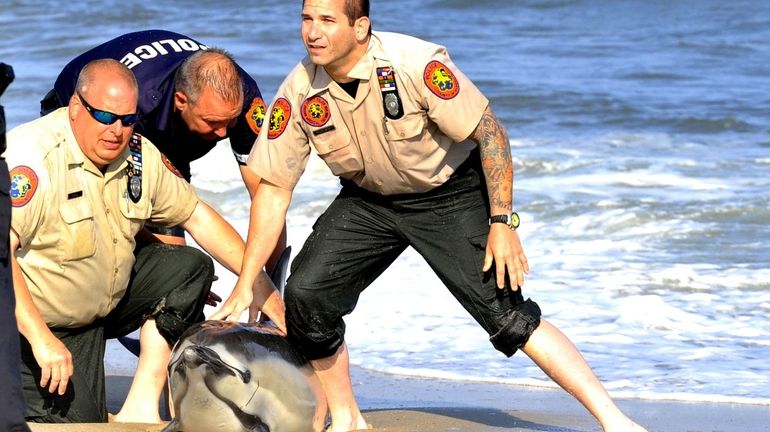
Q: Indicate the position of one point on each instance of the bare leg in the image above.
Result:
(321, 408)
(334, 374)
(550, 349)
(143, 400)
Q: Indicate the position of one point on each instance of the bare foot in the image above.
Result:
(352, 426)
(135, 417)
(623, 425)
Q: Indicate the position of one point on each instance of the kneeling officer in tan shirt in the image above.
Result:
(82, 185)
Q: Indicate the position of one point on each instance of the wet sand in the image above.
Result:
(395, 403)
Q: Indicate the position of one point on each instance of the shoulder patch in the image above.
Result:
(23, 185)
(440, 80)
(255, 116)
(315, 111)
(279, 118)
(170, 166)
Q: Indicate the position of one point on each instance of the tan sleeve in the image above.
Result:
(281, 151)
(453, 102)
(30, 197)
(173, 199)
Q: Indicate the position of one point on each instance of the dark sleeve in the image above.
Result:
(244, 133)
(152, 55)
(64, 86)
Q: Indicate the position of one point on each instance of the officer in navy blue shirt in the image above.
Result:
(190, 97)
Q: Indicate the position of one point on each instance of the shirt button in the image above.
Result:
(115, 241)
(402, 134)
(116, 271)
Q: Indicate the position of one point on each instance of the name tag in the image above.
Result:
(323, 130)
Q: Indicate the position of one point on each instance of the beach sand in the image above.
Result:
(402, 404)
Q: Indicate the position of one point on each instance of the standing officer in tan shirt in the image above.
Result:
(82, 186)
(423, 162)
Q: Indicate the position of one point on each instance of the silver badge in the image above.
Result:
(135, 188)
(391, 103)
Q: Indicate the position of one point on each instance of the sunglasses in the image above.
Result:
(108, 118)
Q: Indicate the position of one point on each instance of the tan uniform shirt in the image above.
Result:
(412, 153)
(76, 225)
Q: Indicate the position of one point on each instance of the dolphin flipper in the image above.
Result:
(130, 343)
(278, 276)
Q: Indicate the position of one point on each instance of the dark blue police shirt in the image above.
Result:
(154, 56)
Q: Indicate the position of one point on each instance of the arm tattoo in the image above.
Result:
(492, 140)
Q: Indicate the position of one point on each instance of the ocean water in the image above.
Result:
(640, 137)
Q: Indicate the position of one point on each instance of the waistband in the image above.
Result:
(468, 175)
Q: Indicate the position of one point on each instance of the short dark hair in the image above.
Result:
(355, 9)
(214, 68)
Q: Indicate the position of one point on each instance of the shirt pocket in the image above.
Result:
(78, 241)
(339, 152)
(134, 215)
(404, 138)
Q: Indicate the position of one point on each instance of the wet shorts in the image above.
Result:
(362, 233)
(168, 283)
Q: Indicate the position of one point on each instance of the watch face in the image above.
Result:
(515, 220)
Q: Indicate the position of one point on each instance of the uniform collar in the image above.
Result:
(376, 50)
(363, 69)
(320, 79)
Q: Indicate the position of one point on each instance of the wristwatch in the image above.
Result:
(511, 220)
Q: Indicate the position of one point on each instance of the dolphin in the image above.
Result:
(232, 377)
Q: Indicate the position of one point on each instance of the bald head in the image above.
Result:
(212, 69)
(102, 72)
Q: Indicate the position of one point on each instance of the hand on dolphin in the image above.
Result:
(262, 297)
(239, 300)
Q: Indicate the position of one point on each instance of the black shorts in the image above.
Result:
(168, 283)
(362, 233)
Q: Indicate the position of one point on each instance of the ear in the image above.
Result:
(74, 107)
(362, 29)
(180, 101)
